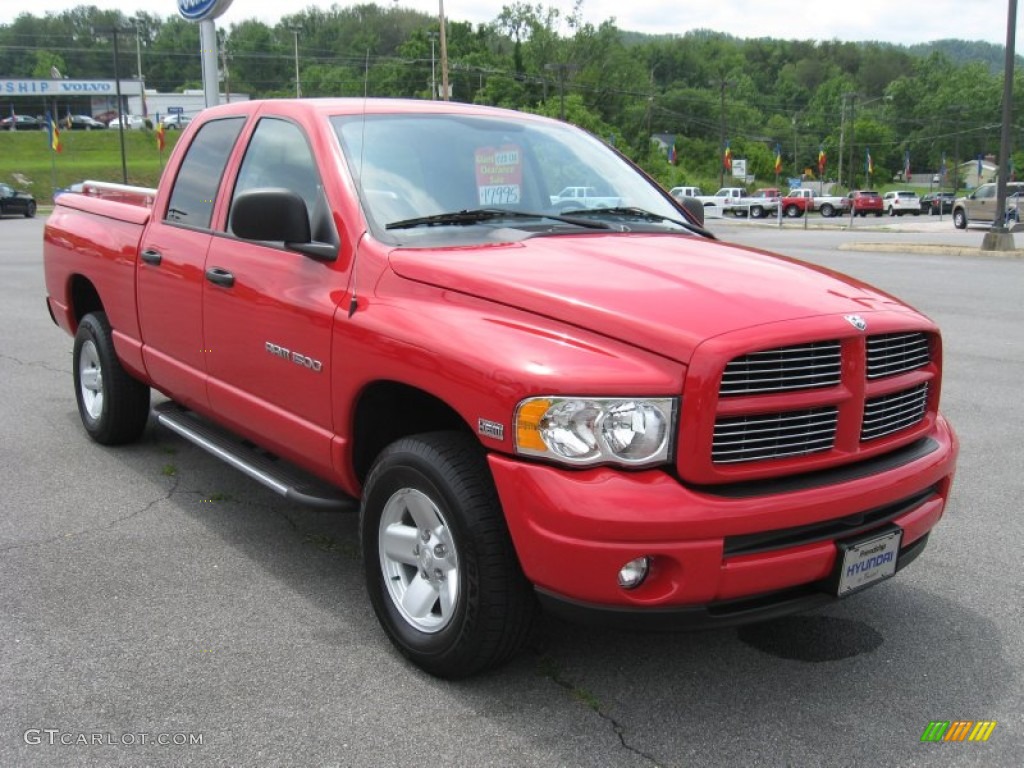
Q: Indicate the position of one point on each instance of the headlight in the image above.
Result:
(597, 430)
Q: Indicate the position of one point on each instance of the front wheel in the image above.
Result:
(892, 211)
(441, 571)
(30, 209)
(757, 212)
(113, 406)
(959, 219)
(793, 211)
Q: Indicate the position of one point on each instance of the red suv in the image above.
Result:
(864, 202)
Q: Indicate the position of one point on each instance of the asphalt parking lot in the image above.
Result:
(158, 608)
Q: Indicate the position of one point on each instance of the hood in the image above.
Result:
(665, 293)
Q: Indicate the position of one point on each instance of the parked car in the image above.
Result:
(865, 201)
(763, 202)
(175, 122)
(14, 202)
(83, 123)
(21, 123)
(979, 207)
(935, 203)
(897, 202)
(131, 122)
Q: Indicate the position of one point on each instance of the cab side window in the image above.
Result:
(199, 177)
(278, 155)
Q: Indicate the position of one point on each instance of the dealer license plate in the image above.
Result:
(863, 562)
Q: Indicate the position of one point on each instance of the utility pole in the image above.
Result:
(298, 86)
(796, 164)
(853, 133)
(120, 111)
(842, 136)
(999, 238)
(722, 84)
(142, 80)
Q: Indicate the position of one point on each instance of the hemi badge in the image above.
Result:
(490, 429)
(857, 322)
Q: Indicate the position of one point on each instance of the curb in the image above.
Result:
(940, 250)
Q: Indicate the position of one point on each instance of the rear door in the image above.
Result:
(170, 272)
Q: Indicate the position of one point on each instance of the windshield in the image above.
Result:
(420, 170)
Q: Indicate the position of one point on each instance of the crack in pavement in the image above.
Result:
(549, 668)
(64, 536)
(35, 364)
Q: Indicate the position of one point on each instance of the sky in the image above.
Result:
(895, 21)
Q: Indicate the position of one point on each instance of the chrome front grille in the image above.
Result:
(892, 353)
(891, 413)
(803, 366)
(773, 435)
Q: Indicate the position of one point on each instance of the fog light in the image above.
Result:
(633, 573)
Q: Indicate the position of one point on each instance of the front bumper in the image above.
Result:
(749, 551)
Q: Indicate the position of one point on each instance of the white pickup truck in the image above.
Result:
(583, 197)
(723, 201)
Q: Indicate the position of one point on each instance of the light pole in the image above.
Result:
(298, 87)
(433, 69)
(444, 52)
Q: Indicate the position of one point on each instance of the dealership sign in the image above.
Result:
(200, 10)
(66, 87)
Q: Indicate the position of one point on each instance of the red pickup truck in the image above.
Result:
(601, 411)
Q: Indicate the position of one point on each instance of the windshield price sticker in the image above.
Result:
(499, 175)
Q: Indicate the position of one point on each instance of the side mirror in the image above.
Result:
(271, 214)
(275, 214)
(695, 208)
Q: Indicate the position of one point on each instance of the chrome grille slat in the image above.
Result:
(773, 436)
(891, 413)
(892, 353)
(803, 366)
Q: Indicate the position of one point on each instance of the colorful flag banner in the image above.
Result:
(55, 144)
(778, 159)
(821, 160)
(868, 162)
(672, 154)
(906, 165)
(159, 135)
(727, 158)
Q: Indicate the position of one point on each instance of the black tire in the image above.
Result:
(113, 405)
(959, 218)
(757, 212)
(443, 477)
(892, 211)
(793, 211)
(827, 211)
(30, 209)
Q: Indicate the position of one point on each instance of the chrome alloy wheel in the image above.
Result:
(418, 560)
(90, 379)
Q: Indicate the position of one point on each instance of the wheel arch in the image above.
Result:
(83, 298)
(386, 411)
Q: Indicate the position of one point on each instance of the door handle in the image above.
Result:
(152, 257)
(220, 276)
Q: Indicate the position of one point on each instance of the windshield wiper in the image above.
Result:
(637, 213)
(487, 214)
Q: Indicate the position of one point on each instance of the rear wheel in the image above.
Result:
(441, 571)
(827, 211)
(30, 209)
(114, 407)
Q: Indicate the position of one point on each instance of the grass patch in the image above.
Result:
(86, 155)
(169, 470)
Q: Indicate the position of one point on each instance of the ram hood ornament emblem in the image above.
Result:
(857, 322)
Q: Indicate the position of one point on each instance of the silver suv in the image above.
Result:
(979, 207)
